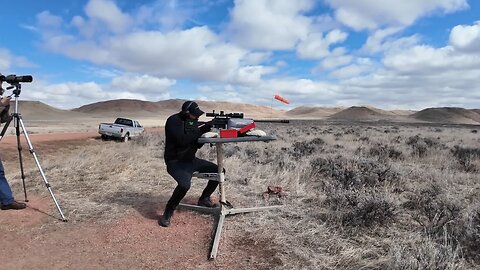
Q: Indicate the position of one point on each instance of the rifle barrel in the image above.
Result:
(272, 121)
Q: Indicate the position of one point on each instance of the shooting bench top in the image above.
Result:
(239, 139)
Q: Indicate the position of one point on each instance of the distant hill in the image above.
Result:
(448, 115)
(312, 112)
(36, 110)
(392, 112)
(362, 113)
(403, 112)
(126, 107)
(138, 108)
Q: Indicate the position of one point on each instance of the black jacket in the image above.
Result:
(180, 139)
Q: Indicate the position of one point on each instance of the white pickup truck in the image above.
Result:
(122, 129)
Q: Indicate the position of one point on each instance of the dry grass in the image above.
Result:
(359, 196)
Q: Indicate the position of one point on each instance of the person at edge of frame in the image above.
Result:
(6, 196)
(182, 131)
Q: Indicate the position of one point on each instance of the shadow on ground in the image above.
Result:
(148, 205)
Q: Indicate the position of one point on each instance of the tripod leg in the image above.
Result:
(19, 147)
(218, 232)
(47, 184)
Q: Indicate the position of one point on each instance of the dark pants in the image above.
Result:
(182, 172)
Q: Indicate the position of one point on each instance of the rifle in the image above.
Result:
(224, 120)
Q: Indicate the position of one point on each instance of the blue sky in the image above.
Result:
(390, 54)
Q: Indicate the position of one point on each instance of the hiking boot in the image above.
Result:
(14, 206)
(206, 202)
(164, 221)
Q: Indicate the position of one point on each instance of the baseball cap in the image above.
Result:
(191, 107)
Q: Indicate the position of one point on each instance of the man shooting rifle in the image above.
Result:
(182, 131)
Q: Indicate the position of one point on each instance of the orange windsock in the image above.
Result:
(281, 99)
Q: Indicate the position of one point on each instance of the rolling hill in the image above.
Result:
(312, 112)
(448, 115)
(36, 110)
(361, 113)
(138, 108)
(121, 107)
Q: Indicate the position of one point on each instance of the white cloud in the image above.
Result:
(100, 72)
(269, 24)
(193, 53)
(107, 12)
(388, 89)
(168, 15)
(423, 76)
(85, 28)
(47, 20)
(372, 14)
(65, 95)
(254, 58)
(74, 94)
(9, 61)
(298, 91)
(361, 66)
(5, 60)
(253, 74)
(466, 37)
(142, 84)
(205, 89)
(385, 40)
(324, 23)
(315, 46)
(424, 59)
(335, 61)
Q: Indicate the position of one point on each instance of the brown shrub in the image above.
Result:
(385, 152)
(467, 233)
(432, 209)
(354, 173)
(373, 210)
(466, 157)
(307, 148)
(423, 253)
(355, 208)
(420, 146)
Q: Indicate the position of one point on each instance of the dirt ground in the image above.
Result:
(35, 238)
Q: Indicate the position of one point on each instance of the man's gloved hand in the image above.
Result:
(206, 127)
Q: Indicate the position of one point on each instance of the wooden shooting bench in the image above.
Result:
(225, 208)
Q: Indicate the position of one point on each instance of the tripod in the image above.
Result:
(18, 122)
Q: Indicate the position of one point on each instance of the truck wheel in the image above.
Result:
(104, 137)
(126, 137)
